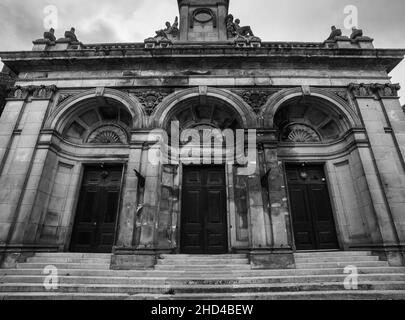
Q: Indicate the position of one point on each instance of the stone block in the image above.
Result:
(133, 261)
(272, 260)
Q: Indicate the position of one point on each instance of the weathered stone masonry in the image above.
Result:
(75, 106)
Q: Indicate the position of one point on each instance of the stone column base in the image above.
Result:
(134, 259)
(11, 255)
(272, 260)
(394, 255)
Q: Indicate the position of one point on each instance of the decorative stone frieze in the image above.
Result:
(18, 92)
(362, 90)
(37, 92)
(44, 92)
(387, 90)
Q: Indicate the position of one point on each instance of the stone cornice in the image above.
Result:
(136, 53)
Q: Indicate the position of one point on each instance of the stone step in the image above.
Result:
(203, 262)
(342, 264)
(208, 289)
(199, 280)
(96, 266)
(336, 295)
(308, 295)
(203, 256)
(74, 255)
(69, 260)
(305, 254)
(352, 259)
(206, 273)
(200, 267)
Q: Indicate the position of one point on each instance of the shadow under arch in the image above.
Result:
(67, 109)
(162, 115)
(333, 101)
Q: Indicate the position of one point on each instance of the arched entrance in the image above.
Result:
(307, 124)
(95, 135)
(206, 171)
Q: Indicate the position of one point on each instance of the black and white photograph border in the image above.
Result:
(198, 150)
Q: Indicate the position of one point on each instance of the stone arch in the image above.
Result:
(63, 112)
(161, 115)
(276, 101)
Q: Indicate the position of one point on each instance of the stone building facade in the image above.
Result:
(83, 121)
(6, 80)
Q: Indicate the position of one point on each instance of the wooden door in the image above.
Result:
(94, 229)
(204, 214)
(312, 215)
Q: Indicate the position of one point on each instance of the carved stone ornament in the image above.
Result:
(343, 94)
(44, 92)
(63, 97)
(256, 98)
(388, 90)
(18, 92)
(299, 133)
(362, 90)
(368, 90)
(150, 99)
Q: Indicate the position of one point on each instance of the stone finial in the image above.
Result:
(334, 34)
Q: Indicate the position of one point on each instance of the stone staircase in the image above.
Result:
(319, 275)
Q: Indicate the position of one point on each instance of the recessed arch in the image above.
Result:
(65, 111)
(331, 100)
(176, 101)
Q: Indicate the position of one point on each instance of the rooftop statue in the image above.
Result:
(357, 33)
(234, 29)
(170, 31)
(334, 34)
(71, 35)
(50, 35)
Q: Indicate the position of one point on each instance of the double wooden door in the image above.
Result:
(312, 215)
(204, 210)
(97, 212)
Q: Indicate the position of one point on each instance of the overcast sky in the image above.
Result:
(21, 21)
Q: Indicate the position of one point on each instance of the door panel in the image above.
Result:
(97, 211)
(204, 223)
(312, 215)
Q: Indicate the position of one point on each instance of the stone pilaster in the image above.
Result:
(137, 238)
(384, 162)
(278, 253)
(20, 163)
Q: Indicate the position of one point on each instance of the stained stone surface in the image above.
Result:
(328, 103)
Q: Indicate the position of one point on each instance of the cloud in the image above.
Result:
(21, 21)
